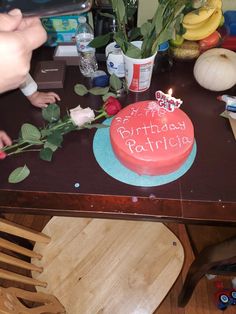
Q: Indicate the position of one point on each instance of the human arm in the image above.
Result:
(37, 99)
(18, 37)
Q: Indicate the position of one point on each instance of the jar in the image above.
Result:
(163, 60)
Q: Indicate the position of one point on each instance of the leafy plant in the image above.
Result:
(162, 27)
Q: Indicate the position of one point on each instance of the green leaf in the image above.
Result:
(46, 154)
(133, 52)
(55, 138)
(51, 113)
(105, 97)
(80, 89)
(99, 91)
(146, 29)
(119, 38)
(158, 19)
(100, 41)
(115, 82)
(121, 11)
(167, 34)
(45, 132)
(51, 146)
(19, 174)
(30, 133)
(134, 33)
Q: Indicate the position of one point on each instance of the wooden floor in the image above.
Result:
(202, 301)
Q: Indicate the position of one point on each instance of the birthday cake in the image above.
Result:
(150, 140)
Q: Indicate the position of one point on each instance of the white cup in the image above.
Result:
(138, 72)
(115, 60)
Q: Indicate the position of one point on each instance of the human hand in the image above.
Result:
(41, 99)
(4, 139)
(18, 38)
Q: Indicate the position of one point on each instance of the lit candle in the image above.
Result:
(170, 92)
(167, 101)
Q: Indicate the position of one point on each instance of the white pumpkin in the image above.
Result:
(215, 69)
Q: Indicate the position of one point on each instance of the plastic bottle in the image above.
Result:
(163, 60)
(84, 35)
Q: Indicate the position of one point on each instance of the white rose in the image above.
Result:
(80, 116)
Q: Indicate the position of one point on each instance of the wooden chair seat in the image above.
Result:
(108, 266)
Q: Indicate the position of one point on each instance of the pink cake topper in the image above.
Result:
(166, 101)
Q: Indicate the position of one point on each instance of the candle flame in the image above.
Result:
(170, 91)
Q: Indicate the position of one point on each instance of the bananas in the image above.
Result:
(204, 21)
(198, 16)
(202, 14)
(193, 26)
(205, 29)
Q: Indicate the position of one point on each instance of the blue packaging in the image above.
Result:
(230, 22)
(60, 29)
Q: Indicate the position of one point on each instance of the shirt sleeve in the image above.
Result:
(29, 86)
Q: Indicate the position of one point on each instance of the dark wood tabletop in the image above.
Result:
(205, 194)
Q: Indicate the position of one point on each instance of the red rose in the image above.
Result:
(112, 106)
(3, 155)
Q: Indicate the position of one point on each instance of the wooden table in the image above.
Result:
(205, 194)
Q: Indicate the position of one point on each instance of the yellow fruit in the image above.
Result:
(198, 16)
(187, 51)
(219, 4)
(177, 41)
(206, 29)
(193, 26)
(202, 14)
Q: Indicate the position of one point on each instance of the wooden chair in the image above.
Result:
(12, 299)
(108, 266)
(215, 258)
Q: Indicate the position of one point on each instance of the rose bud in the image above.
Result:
(112, 106)
(3, 155)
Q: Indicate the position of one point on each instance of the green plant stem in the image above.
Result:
(58, 126)
(24, 151)
(6, 148)
(102, 114)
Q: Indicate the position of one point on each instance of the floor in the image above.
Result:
(202, 301)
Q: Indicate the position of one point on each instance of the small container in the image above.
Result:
(115, 60)
(163, 60)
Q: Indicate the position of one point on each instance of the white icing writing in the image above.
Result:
(152, 109)
(164, 143)
(150, 128)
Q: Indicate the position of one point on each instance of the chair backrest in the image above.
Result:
(8, 247)
(13, 256)
(10, 302)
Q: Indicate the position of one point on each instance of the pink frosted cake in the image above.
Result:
(149, 140)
